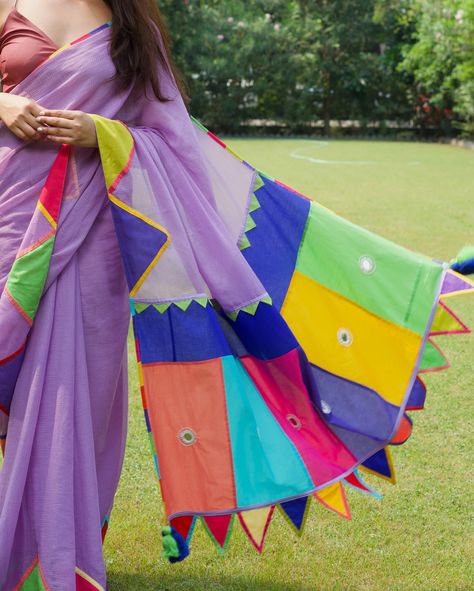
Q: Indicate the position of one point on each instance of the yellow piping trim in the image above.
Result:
(89, 579)
(47, 215)
(393, 479)
(149, 221)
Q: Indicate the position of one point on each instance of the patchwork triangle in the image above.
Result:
(433, 359)
(404, 431)
(33, 581)
(28, 276)
(255, 524)
(141, 242)
(446, 322)
(184, 525)
(381, 465)
(219, 528)
(334, 498)
(296, 513)
(454, 284)
(356, 481)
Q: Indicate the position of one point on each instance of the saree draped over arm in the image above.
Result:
(279, 346)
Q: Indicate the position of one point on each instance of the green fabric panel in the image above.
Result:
(33, 582)
(258, 183)
(432, 358)
(28, 276)
(398, 285)
(254, 204)
(250, 225)
(245, 242)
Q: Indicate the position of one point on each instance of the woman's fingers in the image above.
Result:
(55, 131)
(18, 132)
(29, 131)
(61, 140)
(59, 122)
(58, 114)
(30, 119)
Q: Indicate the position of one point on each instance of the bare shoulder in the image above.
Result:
(5, 8)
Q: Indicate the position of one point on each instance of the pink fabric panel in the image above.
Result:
(281, 385)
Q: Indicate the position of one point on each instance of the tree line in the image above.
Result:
(330, 66)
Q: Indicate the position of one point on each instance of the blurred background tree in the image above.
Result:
(295, 66)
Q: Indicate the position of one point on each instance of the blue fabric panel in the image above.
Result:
(265, 334)
(175, 335)
(267, 466)
(355, 407)
(138, 241)
(281, 221)
(147, 421)
(296, 510)
(417, 395)
(379, 463)
(8, 377)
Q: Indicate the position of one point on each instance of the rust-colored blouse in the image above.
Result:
(23, 47)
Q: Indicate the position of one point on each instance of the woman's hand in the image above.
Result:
(68, 127)
(19, 114)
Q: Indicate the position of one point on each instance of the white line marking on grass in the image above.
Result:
(297, 154)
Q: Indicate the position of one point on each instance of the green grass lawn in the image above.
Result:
(420, 537)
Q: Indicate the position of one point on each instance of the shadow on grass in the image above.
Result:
(170, 581)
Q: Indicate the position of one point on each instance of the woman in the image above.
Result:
(258, 315)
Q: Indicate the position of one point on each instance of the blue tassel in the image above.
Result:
(175, 547)
(464, 262)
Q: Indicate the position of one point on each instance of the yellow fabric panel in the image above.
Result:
(346, 340)
(115, 145)
(334, 498)
(444, 321)
(256, 522)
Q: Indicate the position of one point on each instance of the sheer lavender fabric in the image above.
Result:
(67, 427)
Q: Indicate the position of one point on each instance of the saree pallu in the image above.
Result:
(279, 346)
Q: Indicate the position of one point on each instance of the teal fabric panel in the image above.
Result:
(267, 465)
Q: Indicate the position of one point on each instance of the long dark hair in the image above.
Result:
(135, 50)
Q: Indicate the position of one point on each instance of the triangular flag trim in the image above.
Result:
(185, 525)
(438, 361)
(356, 481)
(244, 243)
(334, 498)
(258, 183)
(287, 517)
(208, 527)
(254, 204)
(392, 478)
(183, 304)
(446, 322)
(466, 285)
(251, 308)
(244, 518)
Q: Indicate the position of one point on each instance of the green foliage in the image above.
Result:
(442, 60)
(296, 62)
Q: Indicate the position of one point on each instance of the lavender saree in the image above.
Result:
(266, 331)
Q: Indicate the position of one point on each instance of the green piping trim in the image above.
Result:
(220, 549)
(162, 308)
(251, 308)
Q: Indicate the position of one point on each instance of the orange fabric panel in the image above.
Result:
(196, 468)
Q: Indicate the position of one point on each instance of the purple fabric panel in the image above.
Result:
(68, 420)
(181, 187)
(452, 283)
(417, 395)
(8, 376)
